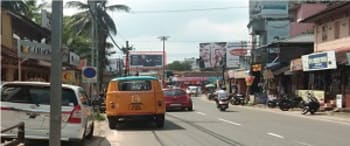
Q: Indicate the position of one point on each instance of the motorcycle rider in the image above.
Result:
(312, 104)
(220, 94)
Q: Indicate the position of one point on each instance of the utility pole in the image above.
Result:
(163, 39)
(126, 58)
(55, 81)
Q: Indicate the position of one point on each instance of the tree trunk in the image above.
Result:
(101, 58)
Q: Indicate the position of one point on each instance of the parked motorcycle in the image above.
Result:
(211, 96)
(287, 103)
(237, 99)
(312, 105)
(222, 103)
(273, 103)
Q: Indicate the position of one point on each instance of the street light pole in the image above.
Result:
(163, 39)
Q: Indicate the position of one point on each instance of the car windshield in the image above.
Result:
(34, 95)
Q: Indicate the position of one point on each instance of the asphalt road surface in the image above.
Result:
(239, 126)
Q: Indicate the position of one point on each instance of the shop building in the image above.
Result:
(329, 66)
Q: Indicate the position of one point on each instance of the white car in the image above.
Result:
(30, 102)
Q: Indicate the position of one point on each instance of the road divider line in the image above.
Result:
(230, 122)
(275, 135)
(203, 114)
(303, 143)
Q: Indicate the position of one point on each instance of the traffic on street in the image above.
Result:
(175, 73)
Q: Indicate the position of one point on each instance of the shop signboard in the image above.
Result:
(68, 77)
(231, 73)
(319, 61)
(74, 59)
(39, 51)
(296, 65)
(240, 74)
(249, 80)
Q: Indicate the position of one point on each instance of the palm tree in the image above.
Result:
(28, 8)
(33, 10)
(81, 24)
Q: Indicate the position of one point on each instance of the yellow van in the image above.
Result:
(135, 98)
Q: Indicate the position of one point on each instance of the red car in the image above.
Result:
(177, 99)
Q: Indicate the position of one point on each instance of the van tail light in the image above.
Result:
(5, 108)
(75, 115)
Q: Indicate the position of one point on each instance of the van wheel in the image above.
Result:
(160, 121)
(112, 123)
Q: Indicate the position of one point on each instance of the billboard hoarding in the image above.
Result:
(211, 55)
(146, 60)
(234, 51)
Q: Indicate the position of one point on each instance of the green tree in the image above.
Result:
(15, 6)
(179, 66)
(27, 8)
(82, 21)
(33, 10)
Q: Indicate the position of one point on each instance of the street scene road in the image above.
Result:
(244, 72)
(241, 126)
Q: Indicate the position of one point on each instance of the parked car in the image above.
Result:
(30, 102)
(135, 98)
(177, 99)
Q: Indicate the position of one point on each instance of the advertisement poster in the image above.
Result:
(234, 51)
(146, 60)
(211, 54)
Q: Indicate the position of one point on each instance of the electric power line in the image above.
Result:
(186, 10)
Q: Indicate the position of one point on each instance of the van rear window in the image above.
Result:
(34, 95)
(134, 85)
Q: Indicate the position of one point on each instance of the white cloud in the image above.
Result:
(206, 30)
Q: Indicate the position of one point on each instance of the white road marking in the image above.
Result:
(230, 122)
(201, 113)
(275, 135)
(115, 132)
(303, 143)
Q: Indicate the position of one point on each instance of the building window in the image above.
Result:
(324, 33)
(336, 30)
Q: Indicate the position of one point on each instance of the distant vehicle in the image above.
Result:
(193, 90)
(135, 98)
(177, 99)
(30, 102)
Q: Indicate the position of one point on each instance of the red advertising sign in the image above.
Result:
(238, 52)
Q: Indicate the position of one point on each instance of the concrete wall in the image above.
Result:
(328, 28)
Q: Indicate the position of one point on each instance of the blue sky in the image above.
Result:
(186, 29)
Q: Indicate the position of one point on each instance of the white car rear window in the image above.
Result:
(34, 95)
